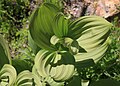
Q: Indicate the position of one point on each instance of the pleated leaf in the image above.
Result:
(7, 75)
(96, 54)
(55, 65)
(60, 26)
(88, 24)
(26, 78)
(62, 66)
(41, 25)
(91, 33)
(42, 61)
(4, 53)
(52, 82)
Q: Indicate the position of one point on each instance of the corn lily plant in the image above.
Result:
(62, 43)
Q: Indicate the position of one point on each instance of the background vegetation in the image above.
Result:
(14, 16)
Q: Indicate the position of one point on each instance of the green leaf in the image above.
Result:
(55, 64)
(42, 61)
(61, 68)
(51, 82)
(41, 29)
(91, 40)
(4, 53)
(26, 78)
(60, 25)
(93, 25)
(96, 54)
(7, 75)
(84, 64)
(74, 48)
(21, 65)
(33, 45)
(54, 40)
(91, 33)
(35, 71)
(75, 81)
(105, 82)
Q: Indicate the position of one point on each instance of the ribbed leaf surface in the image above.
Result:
(60, 26)
(26, 78)
(41, 25)
(96, 54)
(91, 33)
(7, 75)
(55, 65)
(93, 25)
(51, 82)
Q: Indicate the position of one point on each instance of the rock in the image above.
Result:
(103, 8)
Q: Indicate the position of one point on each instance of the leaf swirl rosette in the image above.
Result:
(64, 42)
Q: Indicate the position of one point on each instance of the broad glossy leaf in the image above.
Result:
(4, 53)
(60, 25)
(7, 75)
(26, 78)
(41, 29)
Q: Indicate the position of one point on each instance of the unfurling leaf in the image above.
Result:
(26, 78)
(7, 75)
(55, 65)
